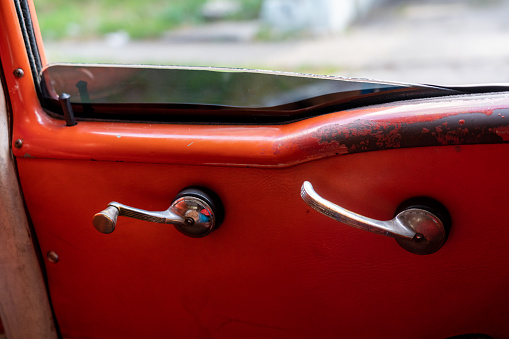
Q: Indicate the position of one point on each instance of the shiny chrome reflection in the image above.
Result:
(416, 230)
(192, 213)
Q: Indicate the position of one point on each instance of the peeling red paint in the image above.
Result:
(370, 135)
(503, 132)
(451, 137)
(351, 132)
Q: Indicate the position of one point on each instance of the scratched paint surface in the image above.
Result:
(371, 135)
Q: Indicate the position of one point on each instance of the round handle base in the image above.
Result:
(430, 232)
(200, 205)
(429, 219)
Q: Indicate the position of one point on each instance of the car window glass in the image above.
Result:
(305, 36)
(186, 93)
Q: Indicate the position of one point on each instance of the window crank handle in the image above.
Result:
(194, 212)
(418, 229)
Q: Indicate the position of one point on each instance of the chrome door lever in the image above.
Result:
(417, 230)
(194, 212)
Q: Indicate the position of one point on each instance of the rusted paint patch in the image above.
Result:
(361, 135)
(371, 135)
(503, 132)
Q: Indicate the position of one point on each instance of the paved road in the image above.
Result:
(427, 41)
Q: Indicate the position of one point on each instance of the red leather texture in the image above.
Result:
(276, 268)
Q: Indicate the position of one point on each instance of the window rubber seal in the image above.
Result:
(30, 41)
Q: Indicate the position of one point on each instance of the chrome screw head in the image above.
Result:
(18, 143)
(18, 73)
(52, 257)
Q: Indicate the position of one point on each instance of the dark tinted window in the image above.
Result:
(211, 95)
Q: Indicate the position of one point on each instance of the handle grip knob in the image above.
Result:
(106, 220)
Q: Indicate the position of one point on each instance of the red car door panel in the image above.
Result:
(275, 267)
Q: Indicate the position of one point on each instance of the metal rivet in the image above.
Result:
(52, 257)
(18, 143)
(18, 73)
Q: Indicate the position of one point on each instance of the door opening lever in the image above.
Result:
(194, 212)
(417, 228)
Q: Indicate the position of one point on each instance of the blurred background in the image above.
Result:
(418, 41)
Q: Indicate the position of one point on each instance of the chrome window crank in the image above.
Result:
(416, 229)
(194, 212)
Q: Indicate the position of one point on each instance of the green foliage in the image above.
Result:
(141, 19)
(250, 10)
